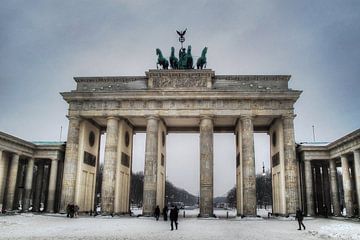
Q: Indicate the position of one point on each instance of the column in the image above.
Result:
(150, 171)
(70, 163)
(291, 167)
(28, 183)
(309, 188)
(109, 172)
(357, 174)
(3, 176)
(52, 185)
(39, 186)
(248, 165)
(347, 186)
(206, 166)
(334, 188)
(12, 181)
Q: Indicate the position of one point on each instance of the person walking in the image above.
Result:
(157, 213)
(164, 212)
(174, 213)
(300, 217)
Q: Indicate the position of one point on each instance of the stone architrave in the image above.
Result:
(150, 171)
(28, 183)
(334, 188)
(206, 166)
(12, 181)
(248, 165)
(347, 185)
(357, 173)
(309, 188)
(291, 166)
(70, 163)
(109, 172)
(52, 185)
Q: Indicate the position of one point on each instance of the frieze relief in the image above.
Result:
(186, 82)
(181, 104)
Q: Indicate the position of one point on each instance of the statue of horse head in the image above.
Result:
(172, 51)
(189, 49)
(204, 51)
(158, 51)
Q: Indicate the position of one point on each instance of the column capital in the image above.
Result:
(354, 151)
(155, 117)
(112, 117)
(73, 117)
(288, 116)
(246, 117)
(207, 116)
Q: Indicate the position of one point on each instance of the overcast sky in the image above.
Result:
(44, 44)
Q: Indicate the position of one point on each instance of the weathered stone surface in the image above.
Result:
(70, 163)
(150, 171)
(347, 186)
(52, 185)
(12, 181)
(206, 166)
(28, 183)
(291, 166)
(309, 189)
(109, 172)
(357, 173)
(248, 165)
(334, 188)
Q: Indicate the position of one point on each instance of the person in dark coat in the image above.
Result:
(157, 213)
(164, 212)
(300, 217)
(174, 213)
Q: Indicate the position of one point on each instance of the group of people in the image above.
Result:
(174, 213)
(72, 210)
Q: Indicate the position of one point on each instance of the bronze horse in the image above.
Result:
(161, 60)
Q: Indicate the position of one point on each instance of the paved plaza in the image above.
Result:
(55, 226)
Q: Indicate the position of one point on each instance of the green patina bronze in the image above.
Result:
(161, 60)
(201, 62)
(174, 61)
(185, 60)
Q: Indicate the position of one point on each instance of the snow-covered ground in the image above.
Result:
(55, 226)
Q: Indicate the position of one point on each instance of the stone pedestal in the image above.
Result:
(206, 166)
(70, 163)
(12, 181)
(347, 186)
(52, 185)
(334, 188)
(357, 173)
(109, 172)
(248, 165)
(291, 166)
(150, 171)
(309, 188)
(28, 183)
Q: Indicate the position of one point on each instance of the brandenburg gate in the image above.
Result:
(165, 101)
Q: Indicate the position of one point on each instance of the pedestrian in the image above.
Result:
(174, 212)
(300, 217)
(164, 211)
(157, 213)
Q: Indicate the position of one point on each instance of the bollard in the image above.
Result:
(184, 213)
(227, 214)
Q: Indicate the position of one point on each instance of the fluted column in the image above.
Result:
(52, 185)
(109, 172)
(3, 175)
(206, 166)
(248, 161)
(357, 173)
(28, 183)
(150, 171)
(347, 186)
(12, 181)
(70, 163)
(309, 188)
(291, 166)
(334, 188)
